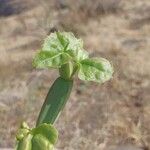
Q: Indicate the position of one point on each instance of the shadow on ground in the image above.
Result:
(11, 7)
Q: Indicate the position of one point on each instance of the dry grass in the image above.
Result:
(65, 14)
(118, 111)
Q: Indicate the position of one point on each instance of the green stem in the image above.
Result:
(55, 101)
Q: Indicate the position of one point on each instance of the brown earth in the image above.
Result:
(97, 117)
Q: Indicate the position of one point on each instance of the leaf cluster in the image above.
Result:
(42, 137)
(64, 51)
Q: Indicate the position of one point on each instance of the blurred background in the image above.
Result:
(97, 117)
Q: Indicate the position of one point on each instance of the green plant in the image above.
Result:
(64, 52)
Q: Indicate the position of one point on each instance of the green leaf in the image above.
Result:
(39, 142)
(56, 42)
(61, 48)
(48, 131)
(95, 69)
(78, 54)
(58, 49)
(50, 59)
(52, 43)
(74, 43)
(65, 42)
(75, 47)
(42, 137)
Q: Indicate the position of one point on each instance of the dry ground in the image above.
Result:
(97, 117)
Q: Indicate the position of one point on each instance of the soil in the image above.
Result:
(98, 117)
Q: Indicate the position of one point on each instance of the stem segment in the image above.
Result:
(55, 101)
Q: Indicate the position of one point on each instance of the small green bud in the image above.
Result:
(21, 133)
(24, 125)
(66, 70)
(42, 137)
